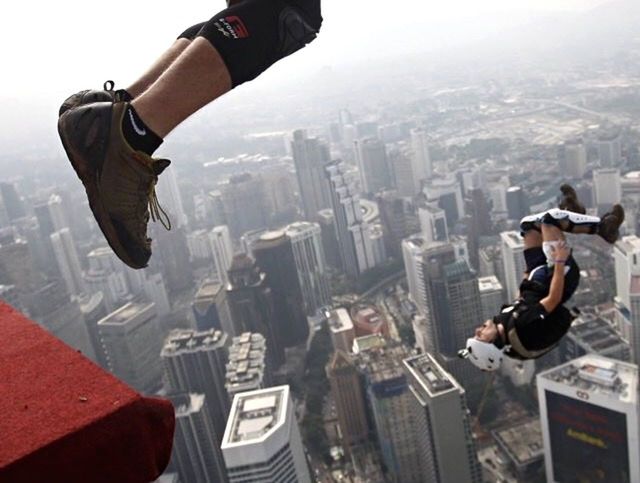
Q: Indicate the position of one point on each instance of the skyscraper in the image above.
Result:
(371, 157)
(195, 362)
(351, 230)
(433, 223)
(421, 160)
(211, 308)
(310, 156)
(517, 203)
(446, 193)
(491, 296)
(395, 223)
(610, 149)
(169, 195)
(132, 342)
(262, 440)
(273, 253)
(105, 274)
(245, 204)
(608, 188)
(12, 202)
(589, 416)
(326, 220)
(626, 254)
(348, 394)
(573, 163)
(400, 165)
(513, 259)
(442, 427)
(342, 330)
(68, 263)
(252, 305)
(222, 249)
(196, 454)
(306, 242)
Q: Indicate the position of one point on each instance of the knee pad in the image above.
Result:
(254, 34)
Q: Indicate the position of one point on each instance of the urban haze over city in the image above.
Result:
(338, 231)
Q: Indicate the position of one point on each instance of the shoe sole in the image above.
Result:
(89, 181)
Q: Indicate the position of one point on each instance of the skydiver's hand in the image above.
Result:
(560, 252)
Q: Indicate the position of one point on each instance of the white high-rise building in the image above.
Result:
(262, 440)
(442, 426)
(106, 275)
(56, 211)
(610, 149)
(626, 254)
(371, 157)
(491, 296)
(352, 232)
(247, 368)
(222, 250)
(513, 260)
(67, 258)
(589, 417)
(169, 195)
(306, 242)
(575, 160)
(420, 159)
(199, 246)
(433, 223)
(132, 341)
(607, 186)
(446, 193)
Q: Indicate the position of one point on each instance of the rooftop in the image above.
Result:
(512, 238)
(184, 341)
(254, 414)
(128, 313)
(489, 284)
(595, 333)
(598, 375)
(428, 372)
(339, 320)
(522, 443)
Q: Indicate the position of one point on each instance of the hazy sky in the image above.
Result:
(51, 48)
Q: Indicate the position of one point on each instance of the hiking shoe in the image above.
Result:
(569, 200)
(609, 227)
(90, 96)
(120, 182)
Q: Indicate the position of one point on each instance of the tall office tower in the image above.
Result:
(402, 173)
(306, 242)
(589, 416)
(573, 162)
(252, 303)
(53, 309)
(169, 196)
(249, 238)
(446, 193)
(68, 263)
(479, 222)
(273, 253)
(393, 215)
(371, 158)
(513, 259)
(592, 334)
(446, 448)
(310, 155)
(245, 204)
(378, 248)
(610, 149)
(342, 330)
(608, 188)
(16, 268)
(196, 454)
(280, 187)
(4, 216)
(421, 165)
(105, 275)
(348, 394)
(199, 247)
(517, 203)
(491, 296)
(390, 403)
(626, 254)
(262, 440)
(330, 245)
(366, 129)
(351, 230)
(94, 309)
(247, 369)
(433, 223)
(222, 250)
(132, 342)
(171, 258)
(211, 308)
(155, 291)
(195, 362)
(498, 196)
(11, 201)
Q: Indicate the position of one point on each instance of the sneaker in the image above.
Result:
(120, 182)
(569, 200)
(91, 95)
(609, 227)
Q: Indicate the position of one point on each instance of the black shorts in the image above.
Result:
(541, 273)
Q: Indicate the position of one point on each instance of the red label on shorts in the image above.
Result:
(234, 27)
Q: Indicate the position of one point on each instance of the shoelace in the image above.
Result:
(119, 95)
(156, 210)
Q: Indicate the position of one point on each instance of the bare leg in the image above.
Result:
(551, 233)
(158, 67)
(532, 239)
(193, 80)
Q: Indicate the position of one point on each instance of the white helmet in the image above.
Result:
(483, 355)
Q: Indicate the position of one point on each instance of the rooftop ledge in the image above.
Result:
(65, 419)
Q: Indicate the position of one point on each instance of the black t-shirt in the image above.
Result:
(536, 328)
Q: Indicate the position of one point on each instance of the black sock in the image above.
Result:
(139, 136)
